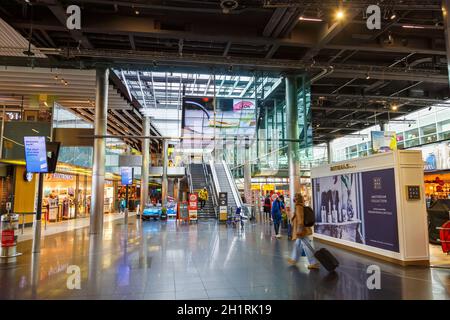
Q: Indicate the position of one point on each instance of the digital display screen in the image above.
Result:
(126, 176)
(35, 154)
(233, 117)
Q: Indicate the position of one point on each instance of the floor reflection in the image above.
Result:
(206, 260)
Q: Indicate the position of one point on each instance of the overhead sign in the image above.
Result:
(268, 187)
(130, 161)
(35, 154)
(126, 176)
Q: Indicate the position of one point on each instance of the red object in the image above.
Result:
(193, 201)
(444, 235)
(7, 238)
(205, 99)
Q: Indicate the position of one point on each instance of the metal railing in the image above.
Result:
(211, 189)
(189, 177)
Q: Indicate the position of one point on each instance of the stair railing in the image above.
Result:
(211, 189)
(189, 176)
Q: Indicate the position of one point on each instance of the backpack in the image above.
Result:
(309, 217)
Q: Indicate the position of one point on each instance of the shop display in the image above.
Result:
(383, 141)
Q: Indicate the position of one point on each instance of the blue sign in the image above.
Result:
(35, 154)
(126, 175)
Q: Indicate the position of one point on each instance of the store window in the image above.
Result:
(412, 138)
(428, 134)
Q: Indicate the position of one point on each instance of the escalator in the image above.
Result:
(199, 180)
(225, 183)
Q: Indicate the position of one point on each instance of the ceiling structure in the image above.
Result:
(358, 75)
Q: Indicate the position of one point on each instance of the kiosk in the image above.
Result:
(374, 205)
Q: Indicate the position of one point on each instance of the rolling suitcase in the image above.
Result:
(326, 259)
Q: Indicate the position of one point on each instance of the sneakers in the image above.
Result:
(278, 236)
(314, 266)
(292, 262)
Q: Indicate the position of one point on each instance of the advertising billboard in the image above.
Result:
(35, 154)
(384, 141)
(358, 207)
(233, 117)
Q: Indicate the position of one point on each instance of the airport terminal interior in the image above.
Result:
(225, 150)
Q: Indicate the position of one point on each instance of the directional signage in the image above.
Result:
(223, 199)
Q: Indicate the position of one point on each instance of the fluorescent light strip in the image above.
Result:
(413, 27)
(310, 19)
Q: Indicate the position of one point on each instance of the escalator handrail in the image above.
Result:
(211, 189)
(233, 186)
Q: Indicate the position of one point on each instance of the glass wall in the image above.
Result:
(419, 128)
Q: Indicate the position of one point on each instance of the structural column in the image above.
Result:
(247, 173)
(98, 170)
(292, 134)
(446, 16)
(145, 163)
(164, 183)
(329, 152)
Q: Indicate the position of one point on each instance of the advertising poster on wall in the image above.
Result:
(384, 141)
(358, 207)
(436, 156)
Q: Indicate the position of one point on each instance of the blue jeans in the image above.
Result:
(276, 225)
(299, 246)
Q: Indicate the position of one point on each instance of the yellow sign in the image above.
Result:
(256, 187)
(268, 187)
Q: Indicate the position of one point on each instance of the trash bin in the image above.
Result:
(9, 231)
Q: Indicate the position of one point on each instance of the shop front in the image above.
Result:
(68, 196)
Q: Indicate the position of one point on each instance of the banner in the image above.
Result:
(358, 207)
(193, 206)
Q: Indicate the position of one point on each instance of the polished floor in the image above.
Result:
(169, 260)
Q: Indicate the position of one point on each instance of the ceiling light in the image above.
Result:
(367, 76)
(394, 107)
(340, 14)
(393, 15)
(66, 83)
(56, 77)
(62, 81)
(302, 18)
(412, 27)
(409, 125)
(429, 109)
(137, 12)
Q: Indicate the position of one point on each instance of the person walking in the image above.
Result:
(301, 234)
(203, 197)
(277, 206)
(267, 207)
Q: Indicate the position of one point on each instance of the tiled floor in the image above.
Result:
(169, 260)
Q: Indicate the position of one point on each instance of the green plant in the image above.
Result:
(163, 210)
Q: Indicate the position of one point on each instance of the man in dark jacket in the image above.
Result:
(267, 207)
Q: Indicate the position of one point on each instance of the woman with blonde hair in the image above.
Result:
(300, 234)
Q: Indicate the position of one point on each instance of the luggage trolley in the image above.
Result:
(235, 218)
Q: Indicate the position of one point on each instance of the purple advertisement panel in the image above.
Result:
(358, 207)
(380, 209)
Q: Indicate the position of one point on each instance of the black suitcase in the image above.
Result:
(325, 258)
